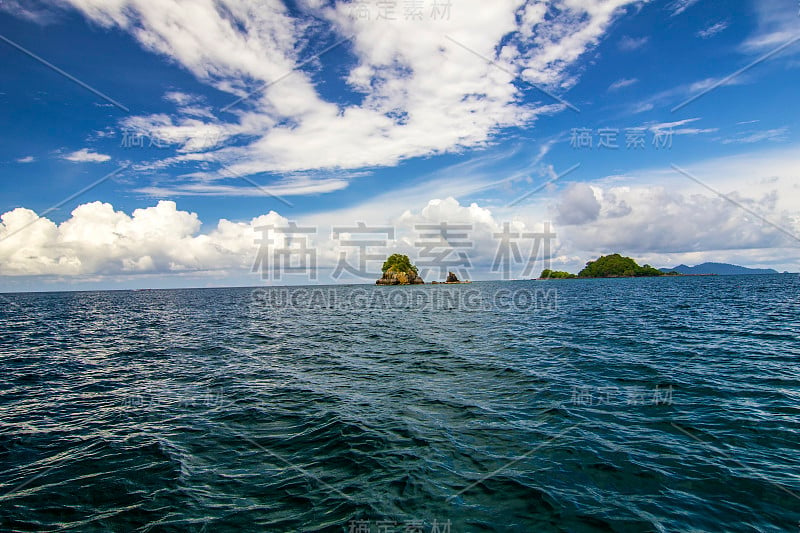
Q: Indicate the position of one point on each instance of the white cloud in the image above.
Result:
(668, 125)
(421, 93)
(693, 131)
(191, 134)
(31, 10)
(478, 228)
(189, 104)
(96, 239)
(656, 219)
(777, 22)
(675, 127)
(578, 205)
(26, 159)
(679, 6)
(680, 93)
(662, 211)
(621, 83)
(289, 187)
(85, 155)
(640, 210)
(642, 107)
(628, 43)
(551, 44)
(774, 135)
(181, 98)
(712, 30)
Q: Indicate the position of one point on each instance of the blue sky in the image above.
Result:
(461, 111)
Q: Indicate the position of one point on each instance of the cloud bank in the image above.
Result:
(643, 221)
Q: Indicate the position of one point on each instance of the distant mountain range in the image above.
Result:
(721, 269)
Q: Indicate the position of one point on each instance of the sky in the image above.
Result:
(164, 143)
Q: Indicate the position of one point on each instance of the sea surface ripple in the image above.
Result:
(612, 405)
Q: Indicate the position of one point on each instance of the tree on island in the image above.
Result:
(615, 266)
(399, 263)
(556, 274)
(606, 266)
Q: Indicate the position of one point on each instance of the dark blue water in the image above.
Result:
(603, 405)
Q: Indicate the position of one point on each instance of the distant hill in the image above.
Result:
(721, 269)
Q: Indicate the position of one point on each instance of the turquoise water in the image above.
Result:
(575, 405)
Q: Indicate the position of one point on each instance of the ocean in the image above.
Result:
(653, 404)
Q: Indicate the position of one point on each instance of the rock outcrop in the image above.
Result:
(451, 278)
(399, 277)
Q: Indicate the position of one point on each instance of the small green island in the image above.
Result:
(398, 270)
(609, 266)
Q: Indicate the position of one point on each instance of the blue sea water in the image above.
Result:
(668, 404)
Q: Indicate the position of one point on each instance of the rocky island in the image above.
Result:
(398, 270)
(451, 279)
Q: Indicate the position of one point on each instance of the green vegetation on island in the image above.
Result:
(556, 274)
(615, 266)
(608, 266)
(398, 263)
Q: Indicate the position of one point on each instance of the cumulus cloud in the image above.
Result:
(578, 205)
(97, 239)
(418, 87)
(480, 221)
(85, 155)
(656, 219)
(469, 239)
(657, 222)
(26, 159)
